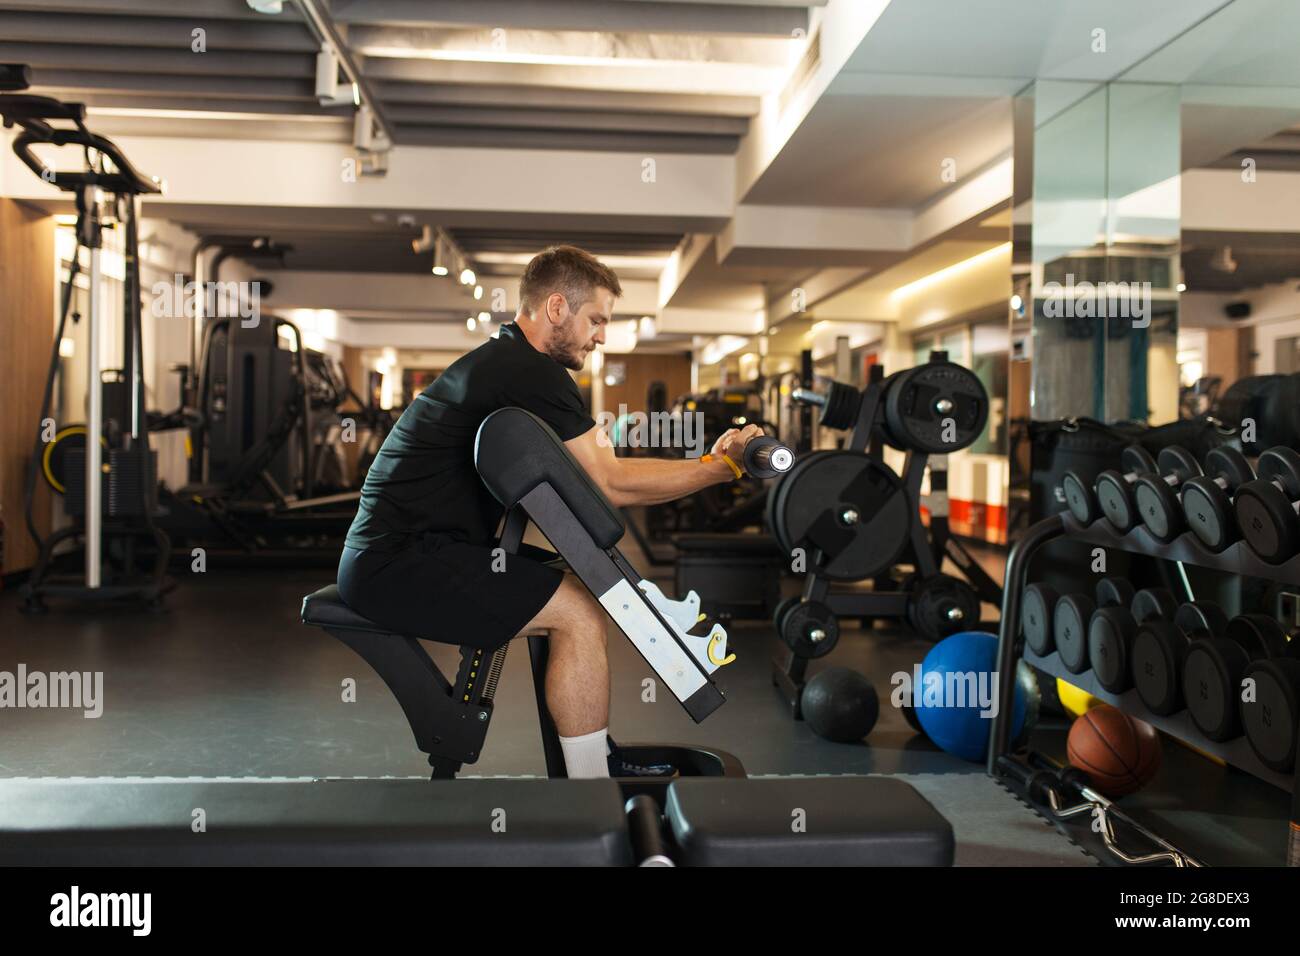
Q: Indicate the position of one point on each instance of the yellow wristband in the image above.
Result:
(730, 464)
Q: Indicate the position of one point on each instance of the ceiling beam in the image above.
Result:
(650, 16)
(469, 43)
(711, 78)
(251, 88)
(165, 32)
(525, 97)
(151, 60)
(206, 9)
(584, 140)
(558, 119)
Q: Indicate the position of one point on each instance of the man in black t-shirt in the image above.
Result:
(418, 557)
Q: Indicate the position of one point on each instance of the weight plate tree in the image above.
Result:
(937, 408)
(847, 505)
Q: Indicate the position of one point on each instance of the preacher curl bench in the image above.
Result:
(711, 815)
(528, 469)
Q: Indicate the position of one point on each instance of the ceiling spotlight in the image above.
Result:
(485, 317)
(471, 324)
(425, 242)
(439, 269)
(363, 128)
(327, 76)
(1221, 260)
(467, 276)
(1017, 303)
(478, 292)
(1181, 287)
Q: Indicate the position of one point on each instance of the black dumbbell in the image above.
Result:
(1115, 491)
(1156, 495)
(1111, 632)
(1036, 610)
(1271, 719)
(765, 457)
(1207, 499)
(1267, 508)
(1072, 617)
(1216, 666)
(1081, 499)
(1160, 651)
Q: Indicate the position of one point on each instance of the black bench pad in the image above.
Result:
(850, 821)
(135, 822)
(324, 608)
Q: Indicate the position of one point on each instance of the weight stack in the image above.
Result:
(127, 489)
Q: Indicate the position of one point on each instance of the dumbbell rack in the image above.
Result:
(1235, 559)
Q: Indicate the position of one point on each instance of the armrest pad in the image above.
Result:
(515, 451)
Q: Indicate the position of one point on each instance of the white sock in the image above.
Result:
(585, 756)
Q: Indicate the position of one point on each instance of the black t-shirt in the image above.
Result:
(423, 479)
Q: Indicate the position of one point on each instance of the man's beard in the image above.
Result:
(566, 349)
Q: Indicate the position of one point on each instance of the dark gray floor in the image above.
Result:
(227, 682)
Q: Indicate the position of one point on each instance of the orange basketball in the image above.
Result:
(1118, 753)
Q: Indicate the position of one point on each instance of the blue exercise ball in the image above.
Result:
(949, 704)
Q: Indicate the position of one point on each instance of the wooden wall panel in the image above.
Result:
(673, 370)
(27, 297)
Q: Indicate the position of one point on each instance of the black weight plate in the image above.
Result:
(1158, 652)
(1036, 612)
(915, 412)
(782, 609)
(1115, 592)
(1177, 461)
(943, 605)
(1079, 499)
(1259, 635)
(1136, 460)
(1270, 720)
(1267, 521)
(1070, 630)
(1158, 507)
(1110, 638)
(1212, 676)
(1207, 509)
(799, 625)
(776, 500)
(1115, 498)
(1154, 604)
(1283, 464)
(817, 491)
(1226, 462)
(1195, 618)
(841, 408)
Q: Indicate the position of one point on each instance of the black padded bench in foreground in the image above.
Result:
(718, 821)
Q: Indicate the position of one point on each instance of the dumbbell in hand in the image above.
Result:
(1156, 495)
(765, 457)
(1160, 652)
(1268, 508)
(1081, 499)
(1073, 616)
(1207, 499)
(1216, 666)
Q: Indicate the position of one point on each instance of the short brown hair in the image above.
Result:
(574, 273)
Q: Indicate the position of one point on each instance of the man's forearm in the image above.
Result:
(651, 481)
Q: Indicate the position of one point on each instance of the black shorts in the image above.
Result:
(447, 591)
